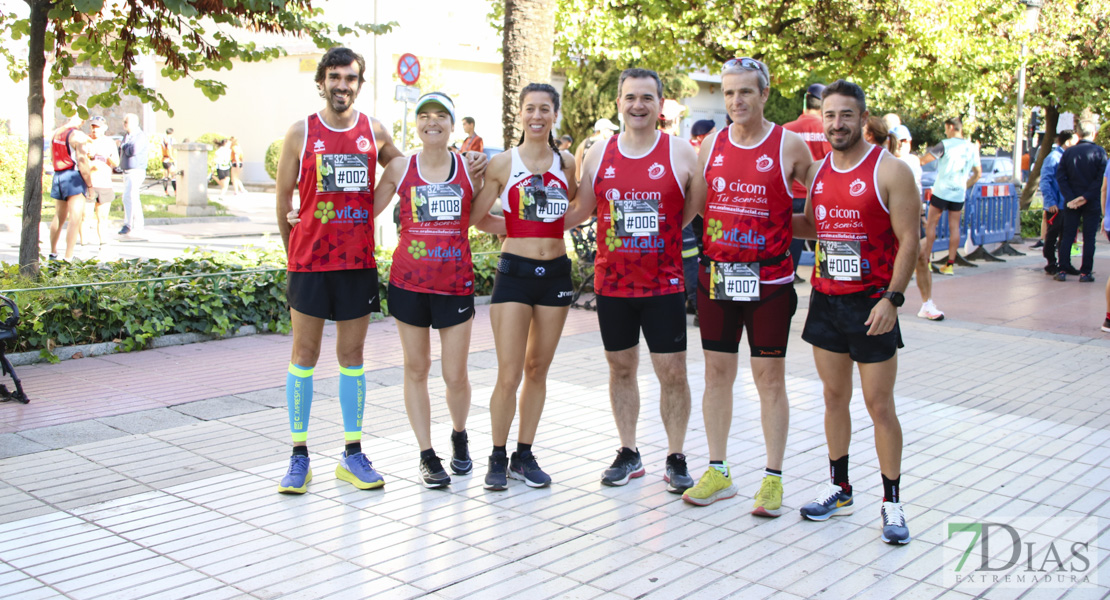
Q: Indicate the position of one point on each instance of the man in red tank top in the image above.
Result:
(72, 178)
(863, 209)
(746, 280)
(639, 181)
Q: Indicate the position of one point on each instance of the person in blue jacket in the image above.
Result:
(1053, 200)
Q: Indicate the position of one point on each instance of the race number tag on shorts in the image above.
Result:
(542, 203)
(734, 281)
(635, 217)
(436, 202)
(342, 173)
(840, 260)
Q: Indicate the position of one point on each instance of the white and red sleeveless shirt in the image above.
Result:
(60, 152)
(749, 208)
(639, 222)
(534, 204)
(856, 242)
(336, 184)
(433, 253)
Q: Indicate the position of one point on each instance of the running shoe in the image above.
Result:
(894, 524)
(1051, 269)
(124, 230)
(677, 475)
(626, 466)
(930, 311)
(712, 486)
(297, 477)
(357, 470)
(51, 257)
(431, 470)
(831, 500)
(1086, 278)
(1039, 244)
(946, 270)
(1106, 325)
(768, 500)
(1060, 276)
(460, 456)
(523, 466)
(496, 476)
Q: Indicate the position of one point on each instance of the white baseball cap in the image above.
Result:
(603, 124)
(437, 98)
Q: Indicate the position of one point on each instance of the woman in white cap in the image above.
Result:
(431, 280)
(603, 128)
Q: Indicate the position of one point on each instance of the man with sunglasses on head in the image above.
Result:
(863, 209)
(746, 279)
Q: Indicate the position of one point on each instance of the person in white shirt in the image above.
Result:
(899, 144)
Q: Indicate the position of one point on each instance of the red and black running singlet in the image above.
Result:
(433, 253)
(639, 222)
(534, 205)
(60, 152)
(856, 244)
(336, 183)
(749, 207)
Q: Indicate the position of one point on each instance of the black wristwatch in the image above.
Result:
(896, 298)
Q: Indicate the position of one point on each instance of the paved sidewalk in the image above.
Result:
(152, 474)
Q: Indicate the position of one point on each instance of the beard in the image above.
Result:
(841, 144)
(341, 103)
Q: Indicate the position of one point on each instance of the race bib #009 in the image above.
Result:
(342, 173)
(635, 217)
(839, 260)
(542, 203)
(436, 202)
(738, 282)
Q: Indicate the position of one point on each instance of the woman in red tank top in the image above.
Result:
(532, 288)
(431, 281)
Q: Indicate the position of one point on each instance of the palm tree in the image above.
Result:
(528, 41)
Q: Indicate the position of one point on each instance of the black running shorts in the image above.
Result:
(836, 324)
(942, 204)
(722, 322)
(663, 319)
(532, 282)
(421, 309)
(334, 295)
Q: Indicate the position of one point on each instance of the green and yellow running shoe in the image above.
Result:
(768, 500)
(712, 486)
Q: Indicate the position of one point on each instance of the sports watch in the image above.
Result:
(896, 298)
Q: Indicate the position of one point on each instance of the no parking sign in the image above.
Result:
(408, 69)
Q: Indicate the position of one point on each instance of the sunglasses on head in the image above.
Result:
(750, 64)
(540, 191)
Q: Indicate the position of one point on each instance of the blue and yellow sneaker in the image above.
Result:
(358, 471)
(297, 477)
(831, 500)
(894, 524)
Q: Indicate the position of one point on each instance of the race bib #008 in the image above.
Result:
(342, 173)
(436, 202)
(542, 203)
(839, 260)
(738, 282)
(635, 217)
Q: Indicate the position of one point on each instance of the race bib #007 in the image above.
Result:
(738, 282)
(635, 217)
(542, 203)
(342, 173)
(436, 202)
(839, 260)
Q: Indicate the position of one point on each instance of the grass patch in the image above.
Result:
(155, 206)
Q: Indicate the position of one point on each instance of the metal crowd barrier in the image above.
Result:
(991, 215)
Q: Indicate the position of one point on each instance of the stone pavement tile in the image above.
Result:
(217, 408)
(143, 584)
(148, 420)
(13, 444)
(72, 434)
(274, 397)
(23, 588)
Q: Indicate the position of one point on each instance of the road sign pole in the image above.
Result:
(405, 127)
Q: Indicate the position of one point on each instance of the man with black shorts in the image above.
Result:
(642, 178)
(863, 210)
(746, 279)
(958, 158)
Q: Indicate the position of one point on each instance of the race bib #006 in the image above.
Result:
(436, 202)
(635, 217)
(738, 282)
(342, 173)
(542, 203)
(839, 260)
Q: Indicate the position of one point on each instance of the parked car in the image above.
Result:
(996, 169)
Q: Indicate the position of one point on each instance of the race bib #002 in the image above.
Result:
(738, 282)
(635, 217)
(342, 173)
(436, 202)
(839, 260)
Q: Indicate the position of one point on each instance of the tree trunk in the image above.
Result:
(1051, 121)
(32, 183)
(527, 45)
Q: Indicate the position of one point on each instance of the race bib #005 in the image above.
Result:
(436, 202)
(635, 217)
(839, 260)
(542, 203)
(342, 173)
(738, 282)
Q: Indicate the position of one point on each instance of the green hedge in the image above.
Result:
(13, 164)
(1031, 223)
(273, 154)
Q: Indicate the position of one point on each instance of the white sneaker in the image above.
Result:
(930, 311)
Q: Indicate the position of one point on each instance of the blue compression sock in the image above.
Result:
(298, 398)
(352, 399)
